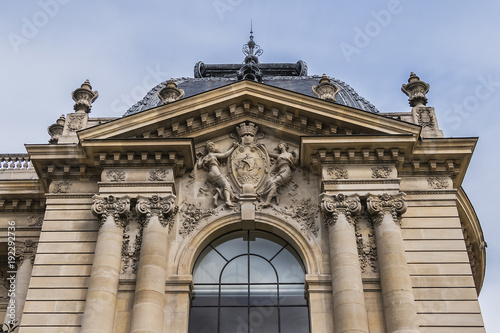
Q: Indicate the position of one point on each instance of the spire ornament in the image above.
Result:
(250, 69)
(84, 97)
(416, 89)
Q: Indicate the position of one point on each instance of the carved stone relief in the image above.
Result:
(367, 247)
(115, 175)
(26, 250)
(438, 182)
(425, 117)
(305, 212)
(378, 205)
(111, 205)
(158, 175)
(161, 207)
(131, 249)
(333, 205)
(75, 121)
(35, 220)
(381, 172)
(61, 186)
(337, 172)
(192, 214)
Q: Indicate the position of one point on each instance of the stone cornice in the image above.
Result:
(255, 94)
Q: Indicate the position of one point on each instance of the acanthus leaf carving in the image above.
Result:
(380, 204)
(438, 182)
(111, 205)
(62, 186)
(158, 175)
(381, 172)
(115, 175)
(25, 250)
(337, 172)
(161, 207)
(333, 205)
(35, 220)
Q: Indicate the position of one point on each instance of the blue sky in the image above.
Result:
(49, 47)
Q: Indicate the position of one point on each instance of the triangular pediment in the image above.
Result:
(283, 113)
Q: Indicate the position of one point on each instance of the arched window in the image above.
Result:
(249, 281)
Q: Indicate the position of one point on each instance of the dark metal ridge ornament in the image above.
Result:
(250, 69)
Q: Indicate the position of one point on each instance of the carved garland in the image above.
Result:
(192, 216)
(337, 172)
(381, 172)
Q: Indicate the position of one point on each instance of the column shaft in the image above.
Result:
(349, 307)
(100, 306)
(397, 295)
(99, 313)
(149, 300)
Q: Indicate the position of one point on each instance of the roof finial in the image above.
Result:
(250, 69)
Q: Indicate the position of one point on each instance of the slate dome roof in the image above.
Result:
(299, 84)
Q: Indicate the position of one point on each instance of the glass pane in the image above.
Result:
(292, 294)
(233, 320)
(265, 244)
(288, 265)
(236, 271)
(263, 295)
(294, 319)
(208, 267)
(232, 244)
(261, 271)
(232, 295)
(205, 295)
(264, 320)
(203, 320)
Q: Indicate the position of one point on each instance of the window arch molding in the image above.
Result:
(308, 250)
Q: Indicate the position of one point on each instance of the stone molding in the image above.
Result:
(380, 204)
(111, 205)
(332, 205)
(161, 207)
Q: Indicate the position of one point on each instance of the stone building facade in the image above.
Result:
(250, 198)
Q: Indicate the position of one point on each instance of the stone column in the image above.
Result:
(149, 300)
(25, 256)
(349, 307)
(399, 304)
(99, 312)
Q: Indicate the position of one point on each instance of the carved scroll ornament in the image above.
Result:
(161, 207)
(111, 205)
(332, 205)
(378, 205)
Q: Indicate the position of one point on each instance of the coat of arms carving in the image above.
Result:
(249, 161)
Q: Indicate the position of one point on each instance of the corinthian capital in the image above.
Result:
(333, 205)
(380, 204)
(25, 250)
(162, 207)
(111, 205)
